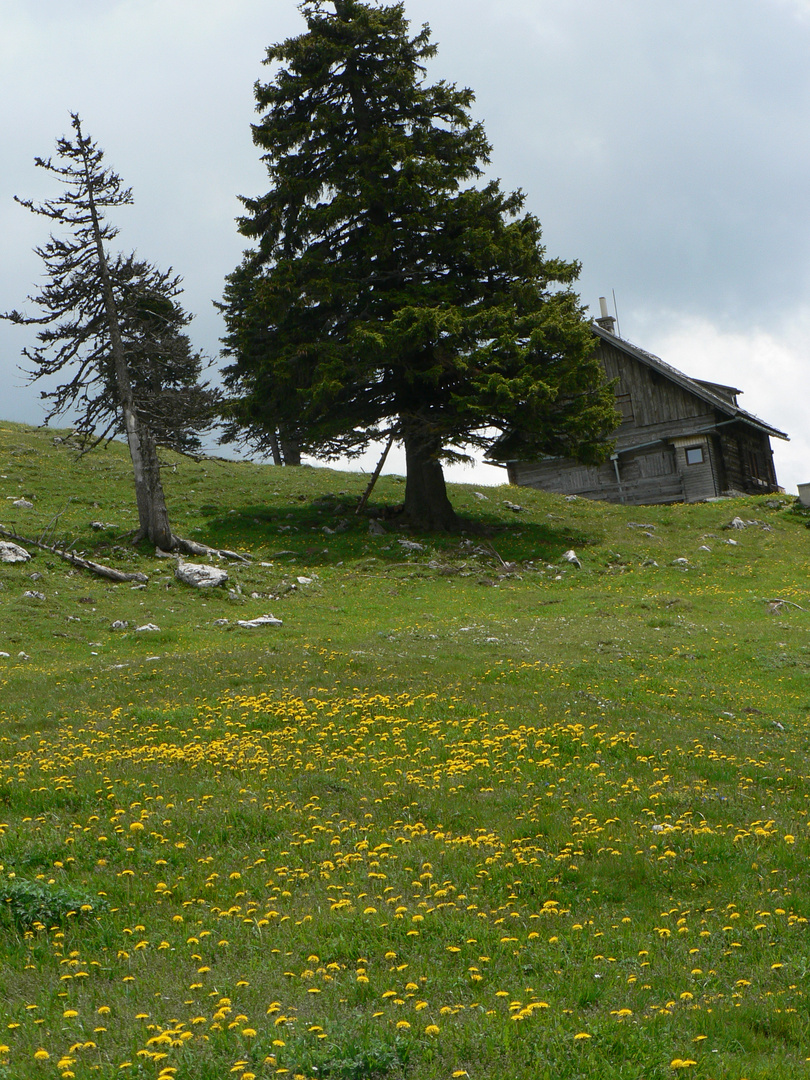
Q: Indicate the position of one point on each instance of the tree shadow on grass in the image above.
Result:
(321, 531)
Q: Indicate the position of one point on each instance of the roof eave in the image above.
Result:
(693, 386)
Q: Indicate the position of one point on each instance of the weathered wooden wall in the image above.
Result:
(749, 460)
(661, 420)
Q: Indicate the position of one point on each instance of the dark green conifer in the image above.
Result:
(385, 292)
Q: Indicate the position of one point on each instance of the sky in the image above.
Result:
(665, 146)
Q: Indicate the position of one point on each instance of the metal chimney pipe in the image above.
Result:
(606, 321)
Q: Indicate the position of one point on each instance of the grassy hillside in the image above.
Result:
(470, 811)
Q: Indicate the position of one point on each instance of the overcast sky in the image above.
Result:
(665, 145)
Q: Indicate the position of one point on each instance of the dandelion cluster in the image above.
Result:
(277, 876)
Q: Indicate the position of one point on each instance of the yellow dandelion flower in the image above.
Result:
(582, 1035)
(69, 1014)
(403, 1024)
(432, 1029)
(41, 1055)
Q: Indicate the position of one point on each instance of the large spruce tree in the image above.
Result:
(111, 326)
(385, 292)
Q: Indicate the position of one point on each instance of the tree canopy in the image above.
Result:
(165, 371)
(386, 292)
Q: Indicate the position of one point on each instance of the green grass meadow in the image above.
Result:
(469, 812)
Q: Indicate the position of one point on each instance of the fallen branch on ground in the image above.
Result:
(790, 603)
(191, 547)
(75, 560)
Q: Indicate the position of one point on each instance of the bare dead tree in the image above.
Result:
(113, 326)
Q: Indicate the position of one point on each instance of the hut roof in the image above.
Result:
(712, 393)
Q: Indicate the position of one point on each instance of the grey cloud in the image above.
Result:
(663, 145)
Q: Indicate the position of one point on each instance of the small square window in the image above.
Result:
(624, 403)
(694, 455)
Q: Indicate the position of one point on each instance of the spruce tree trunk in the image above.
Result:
(153, 517)
(426, 503)
(275, 449)
(290, 449)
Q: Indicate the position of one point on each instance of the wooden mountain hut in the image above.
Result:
(679, 439)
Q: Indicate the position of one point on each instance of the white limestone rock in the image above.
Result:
(255, 624)
(199, 575)
(11, 553)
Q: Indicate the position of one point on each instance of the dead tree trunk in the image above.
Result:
(153, 516)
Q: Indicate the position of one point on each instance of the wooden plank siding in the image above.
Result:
(677, 441)
(749, 460)
(655, 400)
